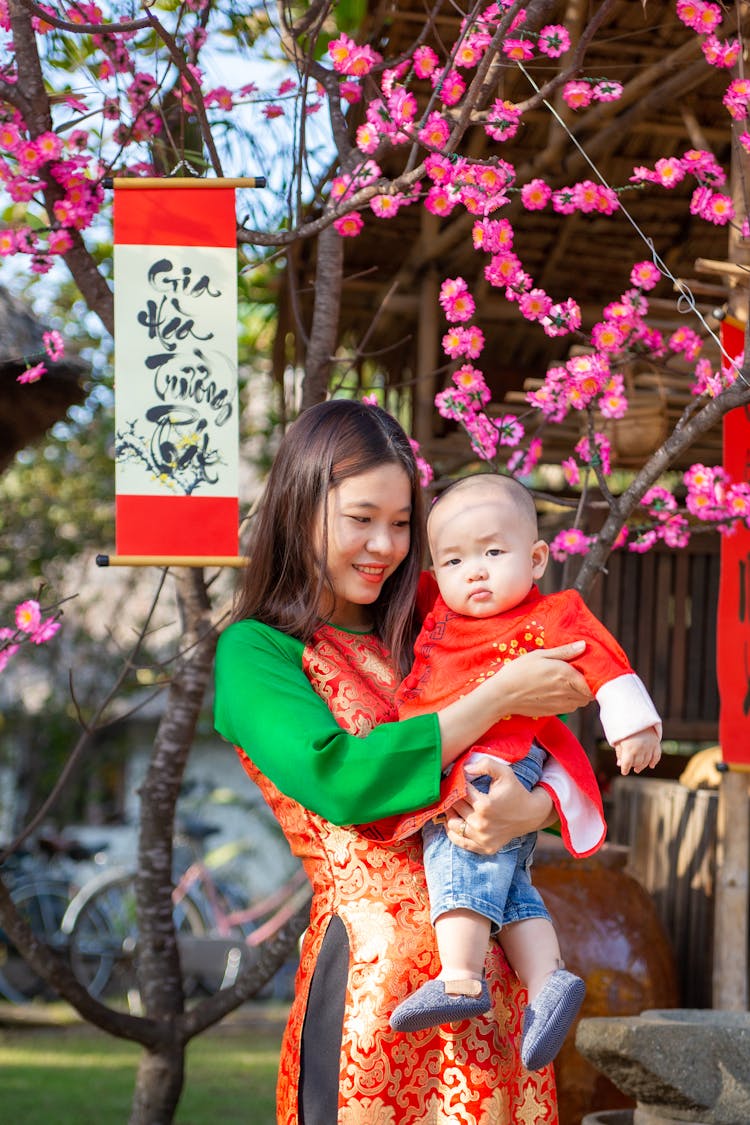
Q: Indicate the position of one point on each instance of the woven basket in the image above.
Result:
(643, 429)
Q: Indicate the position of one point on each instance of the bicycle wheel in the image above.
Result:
(102, 928)
(42, 905)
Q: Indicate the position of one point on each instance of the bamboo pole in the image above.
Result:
(172, 560)
(126, 182)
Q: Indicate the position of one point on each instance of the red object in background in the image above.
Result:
(733, 619)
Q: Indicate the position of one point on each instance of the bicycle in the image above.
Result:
(42, 882)
(216, 932)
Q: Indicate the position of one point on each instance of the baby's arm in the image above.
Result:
(638, 751)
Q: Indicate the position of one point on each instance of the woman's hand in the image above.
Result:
(485, 822)
(542, 682)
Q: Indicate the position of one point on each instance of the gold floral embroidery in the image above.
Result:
(465, 1074)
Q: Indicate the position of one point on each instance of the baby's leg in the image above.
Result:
(533, 952)
(555, 995)
(462, 940)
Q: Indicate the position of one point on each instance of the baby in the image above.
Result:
(487, 556)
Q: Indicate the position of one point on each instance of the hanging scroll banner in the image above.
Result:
(733, 619)
(176, 414)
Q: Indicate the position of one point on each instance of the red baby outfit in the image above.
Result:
(455, 653)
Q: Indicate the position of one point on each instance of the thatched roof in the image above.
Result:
(671, 103)
(28, 411)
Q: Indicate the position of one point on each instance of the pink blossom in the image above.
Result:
(737, 500)
(7, 242)
(669, 171)
(607, 336)
(492, 235)
(272, 111)
(721, 54)
(736, 98)
(553, 40)
(53, 344)
(686, 340)
(439, 200)
(350, 59)
(456, 301)
(32, 374)
(367, 137)
(563, 201)
(522, 463)
(712, 205)
(45, 631)
(425, 62)
(435, 131)
(423, 467)
(570, 542)
(452, 88)
(535, 304)
(28, 616)
(577, 94)
(502, 269)
(535, 195)
(643, 541)
(699, 15)
(349, 226)
(659, 502)
(350, 92)
(482, 435)
(570, 471)
(385, 206)
(503, 119)
(59, 242)
(370, 400)
(601, 454)
(562, 318)
(645, 275)
(518, 49)
(606, 91)
(470, 380)
(468, 54)
(510, 431)
(440, 169)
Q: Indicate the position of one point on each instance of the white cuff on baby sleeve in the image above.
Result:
(626, 708)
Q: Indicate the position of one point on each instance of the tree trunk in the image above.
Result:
(158, 1085)
(161, 1072)
(325, 320)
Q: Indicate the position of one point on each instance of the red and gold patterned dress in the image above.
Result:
(468, 1073)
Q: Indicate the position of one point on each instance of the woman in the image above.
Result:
(305, 680)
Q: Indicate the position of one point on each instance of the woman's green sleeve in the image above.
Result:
(265, 705)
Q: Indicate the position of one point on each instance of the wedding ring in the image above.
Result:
(463, 829)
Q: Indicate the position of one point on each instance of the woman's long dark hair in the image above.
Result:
(285, 580)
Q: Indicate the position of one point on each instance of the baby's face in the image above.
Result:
(485, 552)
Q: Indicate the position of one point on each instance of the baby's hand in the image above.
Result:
(638, 751)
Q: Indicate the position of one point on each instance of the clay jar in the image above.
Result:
(611, 935)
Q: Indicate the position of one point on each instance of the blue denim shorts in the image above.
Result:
(497, 886)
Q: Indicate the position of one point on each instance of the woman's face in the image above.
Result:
(368, 537)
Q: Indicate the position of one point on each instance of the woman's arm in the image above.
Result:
(265, 705)
(538, 683)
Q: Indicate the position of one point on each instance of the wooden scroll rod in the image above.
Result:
(171, 560)
(183, 181)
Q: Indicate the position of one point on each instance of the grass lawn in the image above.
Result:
(75, 1075)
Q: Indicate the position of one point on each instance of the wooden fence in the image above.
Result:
(670, 831)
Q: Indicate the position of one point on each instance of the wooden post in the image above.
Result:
(427, 356)
(730, 894)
